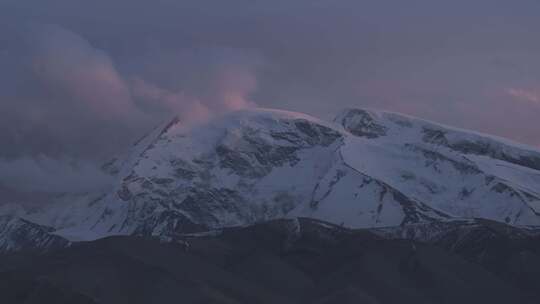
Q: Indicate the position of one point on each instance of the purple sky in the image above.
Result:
(79, 80)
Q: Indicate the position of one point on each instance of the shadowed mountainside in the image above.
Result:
(283, 261)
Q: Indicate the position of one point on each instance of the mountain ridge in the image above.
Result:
(365, 169)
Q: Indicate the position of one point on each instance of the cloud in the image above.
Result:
(78, 74)
(196, 83)
(62, 99)
(189, 108)
(86, 88)
(525, 95)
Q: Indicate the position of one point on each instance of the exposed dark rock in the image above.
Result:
(482, 147)
(361, 123)
(434, 136)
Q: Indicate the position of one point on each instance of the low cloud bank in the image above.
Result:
(66, 107)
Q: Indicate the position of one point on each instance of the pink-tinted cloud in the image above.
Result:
(196, 84)
(190, 109)
(79, 75)
(524, 95)
(68, 97)
(61, 99)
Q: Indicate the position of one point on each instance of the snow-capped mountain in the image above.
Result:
(462, 173)
(364, 169)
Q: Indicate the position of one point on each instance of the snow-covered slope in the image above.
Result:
(17, 234)
(465, 174)
(365, 169)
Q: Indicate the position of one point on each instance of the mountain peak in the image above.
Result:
(373, 124)
(366, 169)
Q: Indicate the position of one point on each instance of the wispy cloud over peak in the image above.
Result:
(524, 94)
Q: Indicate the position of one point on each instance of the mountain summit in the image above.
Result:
(364, 169)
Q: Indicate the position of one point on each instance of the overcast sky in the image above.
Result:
(80, 80)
